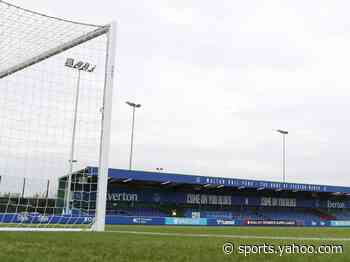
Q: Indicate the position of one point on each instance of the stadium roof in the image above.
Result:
(206, 181)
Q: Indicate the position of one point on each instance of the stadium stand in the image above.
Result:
(187, 199)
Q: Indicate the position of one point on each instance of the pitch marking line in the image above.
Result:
(227, 236)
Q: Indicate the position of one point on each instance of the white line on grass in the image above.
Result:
(227, 236)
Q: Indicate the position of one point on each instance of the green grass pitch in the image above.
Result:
(161, 243)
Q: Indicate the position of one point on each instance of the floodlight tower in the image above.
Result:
(134, 106)
(283, 133)
(78, 66)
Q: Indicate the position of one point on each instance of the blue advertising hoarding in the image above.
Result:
(186, 221)
(30, 218)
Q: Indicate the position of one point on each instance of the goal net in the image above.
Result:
(56, 80)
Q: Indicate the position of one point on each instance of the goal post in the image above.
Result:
(56, 89)
(106, 130)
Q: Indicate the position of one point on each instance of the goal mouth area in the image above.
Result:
(56, 91)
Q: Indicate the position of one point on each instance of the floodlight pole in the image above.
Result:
(80, 66)
(283, 133)
(72, 149)
(134, 106)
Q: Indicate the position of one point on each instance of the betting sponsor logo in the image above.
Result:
(335, 204)
(270, 222)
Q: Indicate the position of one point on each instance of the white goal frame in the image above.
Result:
(105, 130)
(110, 31)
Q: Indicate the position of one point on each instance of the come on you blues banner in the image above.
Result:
(159, 196)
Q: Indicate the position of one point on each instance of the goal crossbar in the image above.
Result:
(54, 51)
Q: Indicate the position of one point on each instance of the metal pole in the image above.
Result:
(23, 187)
(132, 137)
(284, 157)
(283, 133)
(47, 189)
(71, 160)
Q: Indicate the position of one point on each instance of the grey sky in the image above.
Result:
(215, 78)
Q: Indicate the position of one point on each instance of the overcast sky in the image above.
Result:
(216, 78)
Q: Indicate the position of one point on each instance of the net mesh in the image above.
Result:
(26, 34)
(50, 119)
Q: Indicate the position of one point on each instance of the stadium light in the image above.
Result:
(78, 66)
(134, 106)
(283, 133)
